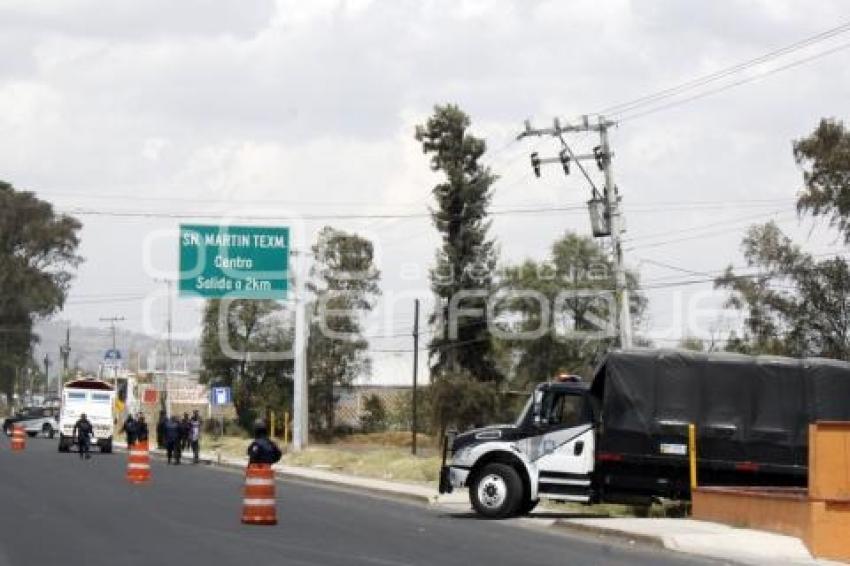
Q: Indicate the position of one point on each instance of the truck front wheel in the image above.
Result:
(496, 492)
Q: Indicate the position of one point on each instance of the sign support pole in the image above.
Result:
(300, 401)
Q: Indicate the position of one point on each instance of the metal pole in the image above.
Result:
(46, 370)
(300, 401)
(169, 283)
(692, 454)
(415, 371)
(616, 225)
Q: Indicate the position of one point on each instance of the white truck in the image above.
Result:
(96, 399)
(624, 437)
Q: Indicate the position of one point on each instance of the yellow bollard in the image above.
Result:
(271, 424)
(692, 454)
(286, 428)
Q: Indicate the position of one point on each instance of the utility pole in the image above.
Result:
(169, 283)
(46, 370)
(64, 354)
(415, 371)
(615, 219)
(112, 320)
(613, 225)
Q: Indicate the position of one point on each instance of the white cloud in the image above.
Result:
(182, 107)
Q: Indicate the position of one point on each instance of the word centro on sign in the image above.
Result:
(228, 284)
(233, 262)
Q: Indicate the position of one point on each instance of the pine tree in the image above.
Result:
(467, 257)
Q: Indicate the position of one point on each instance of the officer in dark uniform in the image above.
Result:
(160, 430)
(83, 431)
(263, 450)
(172, 440)
(141, 428)
(129, 429)
(185, 427)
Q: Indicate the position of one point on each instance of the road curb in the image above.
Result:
(337, 483)
(364, 489)
(626, 536)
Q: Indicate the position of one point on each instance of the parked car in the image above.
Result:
(35, 420)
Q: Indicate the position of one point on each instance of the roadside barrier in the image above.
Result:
(138, 463)
(258, 504)
(19, 438)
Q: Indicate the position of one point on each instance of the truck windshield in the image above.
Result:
(521, 418)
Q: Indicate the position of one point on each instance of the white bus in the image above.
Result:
(96, 399)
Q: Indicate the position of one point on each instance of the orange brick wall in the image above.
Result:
(829, 460)
(820, 516)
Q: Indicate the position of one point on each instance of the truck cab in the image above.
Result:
(547, 453)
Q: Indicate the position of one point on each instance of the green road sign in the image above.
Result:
(238, 262)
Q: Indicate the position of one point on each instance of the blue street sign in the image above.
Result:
(220, 396)
(112, 355)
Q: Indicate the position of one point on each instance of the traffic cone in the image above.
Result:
(258, 504)
(138, 463)
(19, 438)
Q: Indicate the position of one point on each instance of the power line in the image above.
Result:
(190, 215)
(691, 229)
(734, 84)
(651, 98)
(668, 242)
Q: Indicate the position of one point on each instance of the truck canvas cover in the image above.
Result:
(745, 408)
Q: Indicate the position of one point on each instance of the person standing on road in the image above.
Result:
(141, 428)
(172, 440)
(185, 427)
(160, 430)
(83, 431)
(129, 429)
(195, 436)
(263, 450)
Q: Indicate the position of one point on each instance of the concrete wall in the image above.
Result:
(819, 515)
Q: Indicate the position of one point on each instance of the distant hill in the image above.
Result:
(88, 346)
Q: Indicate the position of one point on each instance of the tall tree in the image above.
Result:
(38, 253)
(344, 282)
(247, 326)
(825, 158)
(467, 257)
(580, 326)
(793, 304)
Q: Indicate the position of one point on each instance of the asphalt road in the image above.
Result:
(58, 509)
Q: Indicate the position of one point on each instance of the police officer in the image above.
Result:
(172, 440)
(160, 430)
(195, 435)
(141, 428)
(185, 427)
(262, 450)
(83, 431)
(129, 430)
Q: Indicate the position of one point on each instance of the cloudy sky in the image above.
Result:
(285, 109)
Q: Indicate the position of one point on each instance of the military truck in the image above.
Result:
(623, 437)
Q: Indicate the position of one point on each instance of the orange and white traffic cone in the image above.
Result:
(258, 505)
(138, 463)
(19, 438)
